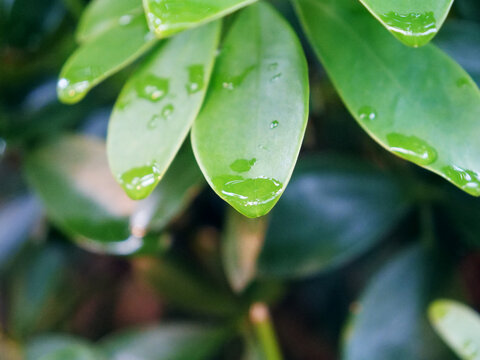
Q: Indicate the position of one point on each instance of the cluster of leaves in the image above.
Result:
(240, 86)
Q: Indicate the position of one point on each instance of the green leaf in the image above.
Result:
(417, 103)
(334, 210)
(390, 323)
(157, 107)
(458, 326)
(61, 347)
(249, 132)
(241, 245)
(168, 17)
(106, 54)
(172, 341)
(102, 15)
(413, 22)
(72, 177)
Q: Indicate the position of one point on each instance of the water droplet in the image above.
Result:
(152, 124)
(463, 82)
(72, 92)
(276, 77)
(242, 165)
(253, 196)
(167, 111)
(467, 180)
(138, 183)
(415, 29)
(125, 20)
(273, 66)
(235, 81)
(367, 113)
(274, 124)
(195, 79)
(152, 88)
(412, 148)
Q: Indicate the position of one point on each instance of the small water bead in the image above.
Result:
(367, 113)
(412, 148)
(273, 66)
(125, 20)
(276, 77)
(242, 165)
(153, 123)
(195, 79)
(274, 124)
(152, 88)
(167, 111)
(139, 182)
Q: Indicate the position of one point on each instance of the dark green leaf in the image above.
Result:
(157, 107)
(249, 132)
(334, 210)
(417, 103)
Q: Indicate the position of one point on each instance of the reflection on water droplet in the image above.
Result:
(412, 148)
(195, 79)
(254, 196)
(71, 92)
(463, 82)
(125, 20)
(242, 165)
(152, 124)
(235, 81)
(152, 88)
(467, 180)
(367, 113)
(138, 183)
(167, 111)
(274, 124)
(415, 29)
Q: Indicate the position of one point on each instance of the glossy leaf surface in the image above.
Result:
(106, 54)
(172, 341)
(72, 177)
(249, 132)
(417, 103)
(334, 210)
(157, 107)
(167, 17)
(413, 22)
(102, 15)
(390, 323)
(459, 326)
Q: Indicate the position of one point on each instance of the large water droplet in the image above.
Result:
(412, 148)
(252, 196)
(274, 124)
(138, 183)
(242, 165)
(152, 88)
(415, 29)
(195, 79)
(467, 180)
(367, 113)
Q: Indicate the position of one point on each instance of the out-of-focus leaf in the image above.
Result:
(417, 103)
(459, 327)
(156, 109)
(391, 323)
(413, 22)
(334, 210)
(172, 341)
(61, 347)
(249, 132)
(470, 9)
(106, 54)
(461, 41)
(185, 288)
(168, 17)
(72, 177)
(17, 219)
(10, 350)
(102, 15)
(241, 245)
(35, 290)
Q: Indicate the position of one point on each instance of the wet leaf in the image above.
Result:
(334, 210)
(414, 23)
(458, 326)
(249, 132)
(102, 15)
(168, 17)
(105, 55)
(157, 107)
(172, 341)
(417, 103)
(72, 178)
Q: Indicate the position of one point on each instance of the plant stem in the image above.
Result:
(264, 330)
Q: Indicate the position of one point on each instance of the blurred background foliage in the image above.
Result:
(347, 262)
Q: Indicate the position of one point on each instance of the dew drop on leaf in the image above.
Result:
(367, 113)
(412, 148)
(152, 88)
(138, 183)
